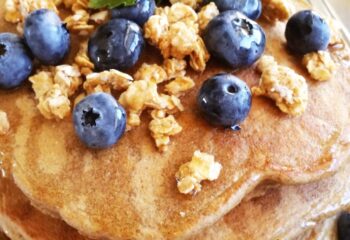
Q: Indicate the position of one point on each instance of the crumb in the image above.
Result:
(320, 65)
(202, 167)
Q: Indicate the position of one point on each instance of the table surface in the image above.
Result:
(336, 9)
(342, 9)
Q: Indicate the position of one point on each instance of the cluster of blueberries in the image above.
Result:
(232, 37)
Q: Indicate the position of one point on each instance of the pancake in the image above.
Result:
(129, 190)
(325, 230)
(284, 211)
(20, 220)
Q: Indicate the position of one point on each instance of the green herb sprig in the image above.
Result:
(96, 4)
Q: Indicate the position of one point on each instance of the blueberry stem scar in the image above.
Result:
(89, 117)
(2, 49)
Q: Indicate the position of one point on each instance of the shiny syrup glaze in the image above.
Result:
(142, 166)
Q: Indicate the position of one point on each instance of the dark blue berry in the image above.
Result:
(235, 39)
(224, 100)
(250, 8)
(99, 120)
(307, 32)
(343, 225)
(139, 13)
(46, 36)
(15, 61)
(116, 45)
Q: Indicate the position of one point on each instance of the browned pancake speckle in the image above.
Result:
(129, 191)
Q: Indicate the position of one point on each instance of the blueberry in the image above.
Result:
(15, 61)
(139, 13)
(307, 32)
(235, 39)
(250, 8)
(224, 100)
(343, 225)
(46, 36)
(99, 120)
(116, 45)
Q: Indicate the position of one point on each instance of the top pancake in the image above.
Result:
(129, 190)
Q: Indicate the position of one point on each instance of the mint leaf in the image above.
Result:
(110, 3)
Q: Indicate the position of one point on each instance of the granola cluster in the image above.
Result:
(81, 21)
(4, 123)
(277, 10)
(106, 81)
(17, 10)
(192, 3)
(175, 31)
(179, 85)
(143, 94)
(162, 127)
(53, 87)
(206, 14)
(83, 61)
(287, 88)
(319, 64)
(202, 167)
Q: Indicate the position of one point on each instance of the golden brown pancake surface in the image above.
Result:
(129, 190)
(270, 211)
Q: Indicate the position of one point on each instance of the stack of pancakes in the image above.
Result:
(283, 177)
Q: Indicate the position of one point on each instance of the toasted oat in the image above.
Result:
(100, 17)
(172, 103)
(320, 65)
(151, 72)
(79, 22)
(17, 10)
(179, 85)
(140, 95)
(54, 104)
(83, 61)
(282, 84)
(4, 123)
(53, 87)
(179, 42)
(68, 78)
(107, 80)
(82, 21)
(174, 67)
(155, 28)
(277, 10)
(206, 14)
(200, 56)
(202, 167)
(174, 30)
(192, 3)
(161, 130)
